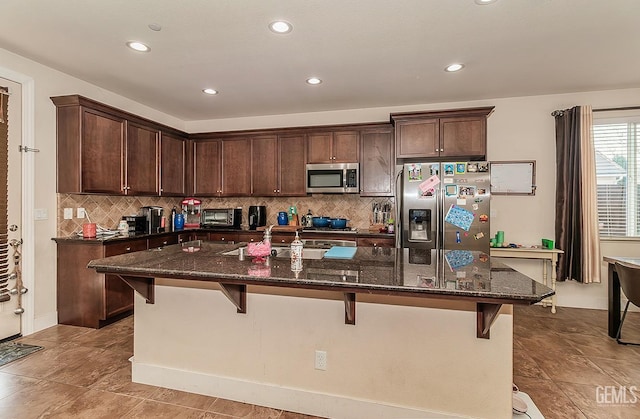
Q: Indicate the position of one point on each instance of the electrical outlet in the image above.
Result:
(81, 213)
(321, 360)
(68, 213)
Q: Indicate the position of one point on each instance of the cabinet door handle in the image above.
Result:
(278, 190)
(274, 190)
(128, 249)
(222, 238)
(164, 243)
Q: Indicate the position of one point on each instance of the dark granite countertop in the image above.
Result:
(372, 270)
(118, 237)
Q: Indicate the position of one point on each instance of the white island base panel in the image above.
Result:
(397, 361)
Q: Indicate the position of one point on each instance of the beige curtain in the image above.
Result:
(590, 235)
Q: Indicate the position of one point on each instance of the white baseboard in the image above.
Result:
(270, 395)
(43, 322)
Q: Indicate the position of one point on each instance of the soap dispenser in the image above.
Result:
(296, 253)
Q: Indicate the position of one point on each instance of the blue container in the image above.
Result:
(321, 221)
(178, 222)
(338, 223)
(283, 218)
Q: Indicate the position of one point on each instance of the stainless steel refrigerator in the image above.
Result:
(445, 228)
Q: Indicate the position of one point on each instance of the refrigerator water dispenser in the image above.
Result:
(420, 225)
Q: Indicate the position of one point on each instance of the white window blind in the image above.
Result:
(617, 175)
(4, 246)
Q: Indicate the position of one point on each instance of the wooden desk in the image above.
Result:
(546, 255)
(614, 290)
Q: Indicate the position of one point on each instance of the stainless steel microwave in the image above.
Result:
(221, 217)
(333, 178)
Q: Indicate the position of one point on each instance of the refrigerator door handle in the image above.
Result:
(440, 232)
(436, 233)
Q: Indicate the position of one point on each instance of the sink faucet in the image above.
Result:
(267, 234)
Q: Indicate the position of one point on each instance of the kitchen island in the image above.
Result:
(418, 347)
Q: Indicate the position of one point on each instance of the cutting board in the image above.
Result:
(340, 252)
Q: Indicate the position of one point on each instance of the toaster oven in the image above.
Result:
(221, 218)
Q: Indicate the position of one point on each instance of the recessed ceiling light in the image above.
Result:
(280, 26)
(454, 67)
(314, 80)
(483, 2)
(138, 46)
(210, 91)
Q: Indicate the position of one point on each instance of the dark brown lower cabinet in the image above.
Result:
(86, 298)
(250, 236)
(376, 242)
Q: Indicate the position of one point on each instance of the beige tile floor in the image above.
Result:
(85, 373)
(559, 360)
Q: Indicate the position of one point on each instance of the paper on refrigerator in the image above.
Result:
(459, 217)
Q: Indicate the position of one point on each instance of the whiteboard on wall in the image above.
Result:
(513, 177)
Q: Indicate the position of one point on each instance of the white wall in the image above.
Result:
(520, 128)
(375, 369)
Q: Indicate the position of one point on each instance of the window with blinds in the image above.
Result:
(4, 164)
(617, 160)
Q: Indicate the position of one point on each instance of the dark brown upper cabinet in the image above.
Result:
(457, 133)
(333, 147)
(222, 167)
(236, 167)
(99, 165)
(278, 165)
(292, 171)
(103, 150)
(141, 156)
(377, 165)
(173, 165)
(207, 171)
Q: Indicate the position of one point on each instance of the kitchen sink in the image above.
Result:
(306, 253)
(282, 252)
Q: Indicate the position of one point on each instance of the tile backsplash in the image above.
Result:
(107, 211)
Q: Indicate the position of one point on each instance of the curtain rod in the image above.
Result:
(626, 108)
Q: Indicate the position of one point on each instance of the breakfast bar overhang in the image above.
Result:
(413, 351)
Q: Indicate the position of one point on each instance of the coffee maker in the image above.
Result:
(257, 216)
(153, 216)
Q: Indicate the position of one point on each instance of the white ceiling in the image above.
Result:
(369, 53)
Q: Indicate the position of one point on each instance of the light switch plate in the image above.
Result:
(80, 213)
(68, 213)
(40, 214)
